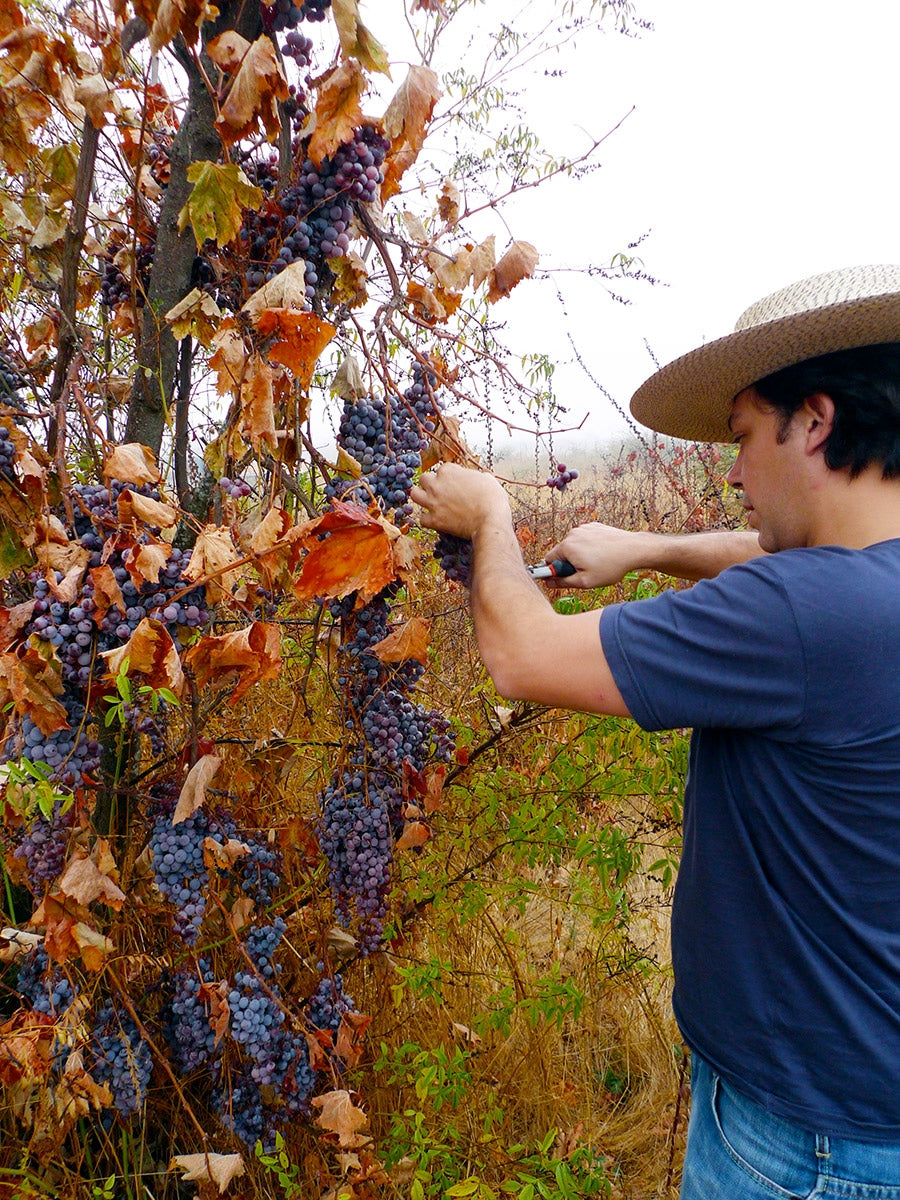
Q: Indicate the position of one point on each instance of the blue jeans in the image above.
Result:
(738, 1151)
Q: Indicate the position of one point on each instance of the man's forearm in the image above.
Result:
(696, 555)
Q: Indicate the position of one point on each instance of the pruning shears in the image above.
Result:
(558, 569)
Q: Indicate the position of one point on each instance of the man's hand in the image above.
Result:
(459, 500)
(601, 555)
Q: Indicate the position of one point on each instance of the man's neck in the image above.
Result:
(857, 512)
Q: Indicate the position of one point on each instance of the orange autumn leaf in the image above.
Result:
(299, 339)
(415, 833)
(147, 560)
(409, 641)
(338, 110)
(517, 263)
(356, 556)
(236, 660)
(58, 915)
(229, 361)
(258, 85)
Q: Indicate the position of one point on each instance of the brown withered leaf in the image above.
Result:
(517, 263)
(298, 339)
(339, 1115)
(132, 463)
(426, 304)
(433, 789)
(448, 202)
(147, 560)
(218, 1169)
(415, 833)
(98, 98)
(350, 278)
(286, 290)
(85, 881)
(236, 660)
(411, 108)
(106, 591)
(447, 445)
(93, 946)
(257, 87)
(270, 531)
(132, 506)
(409, 641)
(223, 855)
(356, 556)
(193, 790)
(211, 561)
(26, 1040)
(13, 620)
(229, 361)
(258, 404)
(58, 915)
(152, 654)
(32, 679)
(338, 109)
(16, 943)
(350, 1036)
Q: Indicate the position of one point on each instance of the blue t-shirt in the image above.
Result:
(786, 919)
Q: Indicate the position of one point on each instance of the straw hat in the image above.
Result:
(691, 397)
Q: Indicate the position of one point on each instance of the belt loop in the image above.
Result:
(823, 1150)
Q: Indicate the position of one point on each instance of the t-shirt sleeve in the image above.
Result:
(726, 653)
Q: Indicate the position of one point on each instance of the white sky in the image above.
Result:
(762, 149)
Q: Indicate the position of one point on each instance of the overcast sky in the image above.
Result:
(762, 149)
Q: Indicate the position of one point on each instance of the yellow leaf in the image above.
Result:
(356, 40)
(215, 207)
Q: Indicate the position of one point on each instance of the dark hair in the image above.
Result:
(864, 384)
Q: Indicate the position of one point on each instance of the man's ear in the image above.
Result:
(817, 420)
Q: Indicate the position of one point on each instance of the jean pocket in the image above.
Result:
(776, 1155)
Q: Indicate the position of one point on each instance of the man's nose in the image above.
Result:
(734, 475)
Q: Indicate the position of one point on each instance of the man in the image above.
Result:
(785, 661)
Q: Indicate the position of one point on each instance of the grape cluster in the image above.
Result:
(329, 1003)
(46, 988)
(11, 383)
(115, 287)
(185, 1019)
(455, 556)
(259, 871)
(562, 478)
(309, 220)
(299, 48)
(387, 449)
(179, 870)
(120, 1058)
(43, 846)
(355, 836)
(72, 754)
(237, 489)
(7, 454)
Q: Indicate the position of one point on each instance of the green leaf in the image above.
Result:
(215, 206)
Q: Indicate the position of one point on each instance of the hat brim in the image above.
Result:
(691, 397)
